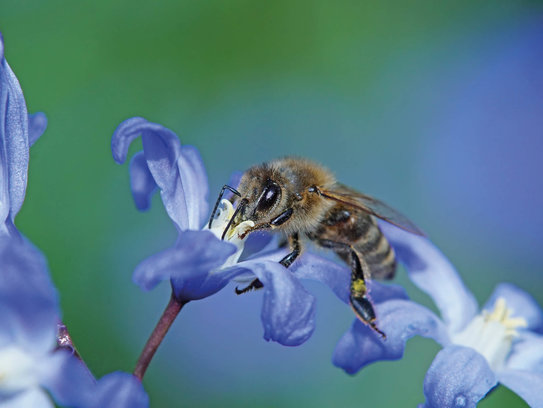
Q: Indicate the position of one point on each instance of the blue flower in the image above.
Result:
(32, 366)
(29, 359)
(502, 344)
(18, 132)
(200, 263)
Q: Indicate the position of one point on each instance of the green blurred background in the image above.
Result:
(435, 107)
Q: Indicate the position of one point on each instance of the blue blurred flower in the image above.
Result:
(18, 132)
(29, 359)
(480, 350)
(200, 263)
(32, 365)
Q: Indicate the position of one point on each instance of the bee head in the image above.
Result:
(263, 194)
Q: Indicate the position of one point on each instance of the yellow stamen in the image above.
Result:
(492, 333)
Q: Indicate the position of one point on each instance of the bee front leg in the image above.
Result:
(295, 246)
(358, 298)
(277, 221)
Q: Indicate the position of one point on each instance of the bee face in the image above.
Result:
(264, 194)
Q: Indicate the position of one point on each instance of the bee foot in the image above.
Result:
(376, 329)
(364, 311)
(255, 284)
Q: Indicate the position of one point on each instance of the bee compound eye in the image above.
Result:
(269, 196)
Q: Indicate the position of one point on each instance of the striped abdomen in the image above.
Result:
(358, 230)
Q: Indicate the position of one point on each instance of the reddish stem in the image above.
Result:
(168, 316)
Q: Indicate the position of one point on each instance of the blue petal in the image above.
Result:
(314, 267)
(525, 384)
(28, 299)
(526, 353)
(288, 310)
(458, 377)
(13, 142)
(37, 123)
(256, 242)
(68, 379)
(383, 292)
(400, 320)
(432, 272)
(132, 128)
(522, 304)
(338, 278)
(142, 182)
(194, 184)
(187, 265)
(120, 390)
(177, 171)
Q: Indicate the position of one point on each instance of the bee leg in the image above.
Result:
(358, 298)
(293, 241)
(277, 221)
(254, 285)
(364, 309)
(296, 248)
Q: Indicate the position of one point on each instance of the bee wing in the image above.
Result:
(347, 196)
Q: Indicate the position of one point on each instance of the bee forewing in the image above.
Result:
(373, 206)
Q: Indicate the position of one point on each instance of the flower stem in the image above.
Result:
(168, 316)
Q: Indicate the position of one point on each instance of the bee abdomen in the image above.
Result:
(377, 253)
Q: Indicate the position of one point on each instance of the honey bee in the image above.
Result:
(303, 199)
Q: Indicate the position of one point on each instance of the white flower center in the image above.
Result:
(17, 370)
(492, 334)
(234, 233)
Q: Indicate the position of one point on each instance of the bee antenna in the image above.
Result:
(241, 207)
(225, 187)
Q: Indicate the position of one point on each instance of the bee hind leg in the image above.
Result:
(362, 306)
(364, 311)
(360, 303)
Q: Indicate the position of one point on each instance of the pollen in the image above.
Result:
(492, 333)
(358, 287)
